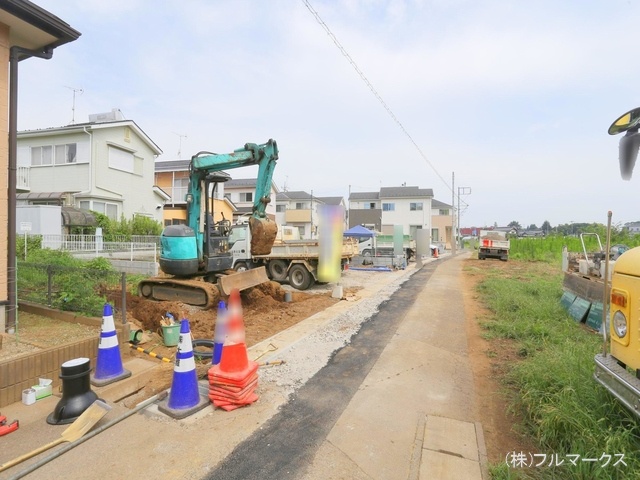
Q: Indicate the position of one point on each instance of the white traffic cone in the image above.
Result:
(109, 363)
(184, 397)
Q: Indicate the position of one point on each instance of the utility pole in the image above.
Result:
(454, 236)
(461, 191)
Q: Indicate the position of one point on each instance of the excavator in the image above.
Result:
(196, 255)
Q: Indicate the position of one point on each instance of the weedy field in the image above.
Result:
(566, 415)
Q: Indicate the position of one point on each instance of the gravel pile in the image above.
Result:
(308, 355)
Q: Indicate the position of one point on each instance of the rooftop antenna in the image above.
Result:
(73, 106)
(180, 144)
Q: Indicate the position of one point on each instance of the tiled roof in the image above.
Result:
(406, 192)
(299, 195)
(331, 200)
(241, 182)
(364, 196)
(172, 165)
(438, 204)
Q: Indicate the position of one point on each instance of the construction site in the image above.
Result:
(287, 344)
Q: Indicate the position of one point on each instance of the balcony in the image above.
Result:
(297, 216)
(23, 179)
(178, 195)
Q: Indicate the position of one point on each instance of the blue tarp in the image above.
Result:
(358, 232)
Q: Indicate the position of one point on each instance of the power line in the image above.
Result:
(373, 90)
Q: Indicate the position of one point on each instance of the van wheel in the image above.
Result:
(277, 270)
(366, 253)
(299, 277)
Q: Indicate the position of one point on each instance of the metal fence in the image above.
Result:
(76, 289)
(134, 247)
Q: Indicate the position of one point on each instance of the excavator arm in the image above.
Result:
(203, 164)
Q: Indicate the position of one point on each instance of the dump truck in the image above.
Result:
(196, 256)
(493, 244)
(295, 261)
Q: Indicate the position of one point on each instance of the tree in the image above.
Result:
(532, 227)
(515, 225)
(546, 227)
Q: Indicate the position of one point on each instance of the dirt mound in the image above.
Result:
(265, 312)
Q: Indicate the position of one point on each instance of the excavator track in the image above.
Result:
(200, 292)
(193, 292)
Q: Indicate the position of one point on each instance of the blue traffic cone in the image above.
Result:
(219, 334)
(108, 364)
(184, 397)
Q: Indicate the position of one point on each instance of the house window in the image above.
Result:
(299, 206)
(121, 159)
(415, 206)
(444, 211)
(246, 196)
(41, 155)
(388, 207)
(281, 208)
(108, 209)
(301, 231)
(179, 189)
(54, 155)
(372, 206)
(435, 236)
(66, 153)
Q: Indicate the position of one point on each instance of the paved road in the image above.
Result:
(287, 444)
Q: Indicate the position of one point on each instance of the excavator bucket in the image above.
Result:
(242, 280)
(263, 234)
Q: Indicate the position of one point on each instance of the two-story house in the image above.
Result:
(406, 205)
(241, 192)
(106, 165)
(302, 210)
(172, 176)
(441, 223)
(27, 31)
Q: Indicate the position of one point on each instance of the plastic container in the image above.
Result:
(171, 334)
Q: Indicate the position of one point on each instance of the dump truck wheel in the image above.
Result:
(241, 267)
(277, 270)
(299, 277)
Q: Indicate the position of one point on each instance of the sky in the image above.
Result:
(501, 107)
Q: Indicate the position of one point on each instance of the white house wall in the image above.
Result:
(57, 178)
(402, 215)
(133, 189)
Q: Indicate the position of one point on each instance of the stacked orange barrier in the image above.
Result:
(233, 381)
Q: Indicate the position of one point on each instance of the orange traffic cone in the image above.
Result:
(232, 382)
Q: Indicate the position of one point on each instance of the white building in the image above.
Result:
(106, 165)
(407, 206)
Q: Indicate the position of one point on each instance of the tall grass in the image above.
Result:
(564, 410)
(549, 249)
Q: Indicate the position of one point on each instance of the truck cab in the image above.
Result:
(619, 370)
